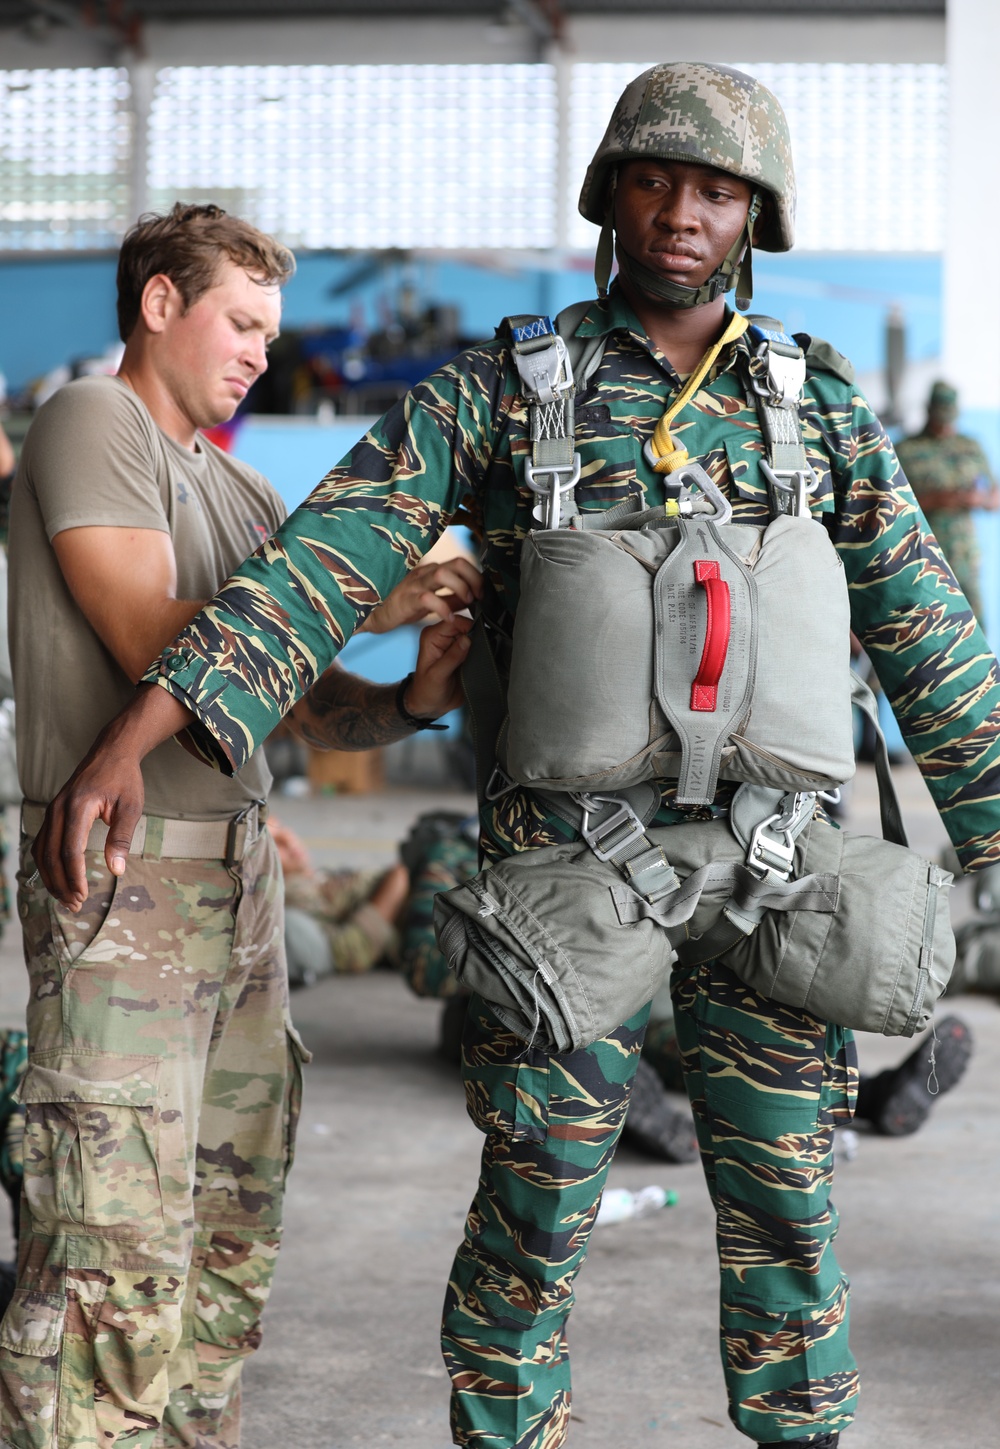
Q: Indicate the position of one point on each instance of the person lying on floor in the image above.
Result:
(337, 922)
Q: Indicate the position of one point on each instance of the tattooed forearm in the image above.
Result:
(345, 712)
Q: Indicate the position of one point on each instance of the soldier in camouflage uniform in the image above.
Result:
(691, 149)
(950, 475)
(164, 1073)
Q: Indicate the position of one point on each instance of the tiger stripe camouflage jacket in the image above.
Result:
(458, 441)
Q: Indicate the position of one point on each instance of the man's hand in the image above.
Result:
(436, 686)
(107, 785)
(418, 596)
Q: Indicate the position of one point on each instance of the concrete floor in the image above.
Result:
(387, 1163)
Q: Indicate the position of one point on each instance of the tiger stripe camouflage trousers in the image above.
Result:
(161, 1099)
(768, 1085)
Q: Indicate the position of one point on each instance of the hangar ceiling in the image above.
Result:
(123, 14)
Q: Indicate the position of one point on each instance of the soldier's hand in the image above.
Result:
(436, 687)
(107, 785)
(430, 591)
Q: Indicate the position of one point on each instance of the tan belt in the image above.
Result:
(157, 837)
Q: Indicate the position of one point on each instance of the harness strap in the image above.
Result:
(777, 374)
(816, 892)
(553, 364)
(486, 695)
(888, 801)
(546, 373)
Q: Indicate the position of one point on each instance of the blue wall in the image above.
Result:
(295, 453)
(52, 312)
(55, 310)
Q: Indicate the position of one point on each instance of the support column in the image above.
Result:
(972, 237)
(142, 76)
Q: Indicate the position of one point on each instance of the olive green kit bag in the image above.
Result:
(673, 644)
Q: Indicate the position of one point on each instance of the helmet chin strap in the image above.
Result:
(735, 271)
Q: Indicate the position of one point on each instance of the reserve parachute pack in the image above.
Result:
(674, 644)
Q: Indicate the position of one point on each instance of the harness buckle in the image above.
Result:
(785, 379)
(498, 784)
(693, 474)
(546, 372)
(769, 855)
(624, 814)
(789, 488)
(772, 845)
(547, 482)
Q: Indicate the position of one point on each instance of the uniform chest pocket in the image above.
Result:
(610, 458)
(745, 453)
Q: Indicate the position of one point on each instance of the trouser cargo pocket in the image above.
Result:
(90, 1145)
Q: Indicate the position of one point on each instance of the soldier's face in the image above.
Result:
(209, 354)
(679, 219)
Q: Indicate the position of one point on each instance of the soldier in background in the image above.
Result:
(950, 475)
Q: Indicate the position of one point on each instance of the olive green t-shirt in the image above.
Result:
(94, 457)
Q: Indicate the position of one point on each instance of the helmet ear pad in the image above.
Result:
(766, 223)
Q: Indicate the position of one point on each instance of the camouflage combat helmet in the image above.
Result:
(709, 114)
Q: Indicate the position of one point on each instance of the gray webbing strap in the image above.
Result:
(553, 365)
(486, 696)
(777, 372)
(543, 364)
(819, 893)
(891, 816)
(585, 353)
(614, 826)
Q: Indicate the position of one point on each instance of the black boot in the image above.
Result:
(452, 1029)
(825, 1441)
(898, 1101)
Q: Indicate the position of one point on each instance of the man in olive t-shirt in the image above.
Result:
(94, 458)
(164, 1074)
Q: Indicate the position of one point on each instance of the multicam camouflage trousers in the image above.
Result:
(161, 1095)
(768, 1084)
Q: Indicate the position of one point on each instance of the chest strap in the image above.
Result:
(776, 374)
(553, 365)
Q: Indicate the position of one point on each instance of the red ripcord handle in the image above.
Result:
(705, 689)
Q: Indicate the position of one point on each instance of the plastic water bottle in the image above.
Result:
(618, 1203)
(845, 1144)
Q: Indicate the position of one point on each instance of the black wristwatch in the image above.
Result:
(414, 721)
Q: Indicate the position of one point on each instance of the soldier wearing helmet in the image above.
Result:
(694, 170)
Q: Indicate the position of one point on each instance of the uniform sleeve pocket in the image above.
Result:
(91, 1125)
